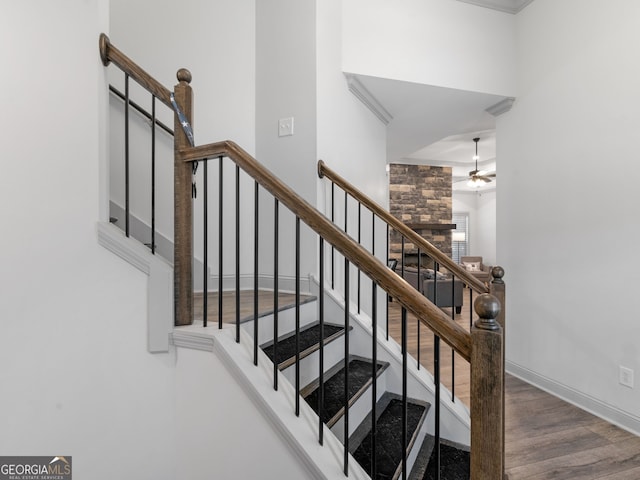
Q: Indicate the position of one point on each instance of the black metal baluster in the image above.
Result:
(388, 296)
(297, 316)
(205, 221)
(237, 253)
(153, 174)
(255, 272)
(453, 353)
(404, 393)
(436, 379)
(333, 250)
(126, 154)
(346, 367)
(220, 240)
(276, 221)
(374, 355)
(321, 352)
(470, 308)
(346, 205)
(374, 378)
(436, 375)
(421, 285)
(359, 231)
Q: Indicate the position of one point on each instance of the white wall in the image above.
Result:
(286, 87)
(221, 432)
(351, 141)
(75, 374)
(563, 234)
(481, 207)
(433, 42)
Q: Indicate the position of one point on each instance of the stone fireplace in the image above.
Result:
(420, 196)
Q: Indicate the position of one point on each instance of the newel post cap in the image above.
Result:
(488, 308)
(497, 273)
(184, 75)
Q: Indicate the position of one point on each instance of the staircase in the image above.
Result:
(332, 363)
(419, 456)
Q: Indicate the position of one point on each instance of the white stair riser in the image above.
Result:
(360, 409)
(413, 454)
(309, 365)
(286, 322)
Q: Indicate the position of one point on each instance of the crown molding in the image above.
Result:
(503, 106)
(360, 91)
(507, 6)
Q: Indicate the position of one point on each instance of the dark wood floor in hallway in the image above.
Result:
(546, 438)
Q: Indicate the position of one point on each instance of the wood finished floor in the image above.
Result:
(546, 438)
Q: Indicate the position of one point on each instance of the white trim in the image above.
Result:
(507, 6)
(130, 250)
(581, 400)
(187, 337)
(503, 106)
(371, 102)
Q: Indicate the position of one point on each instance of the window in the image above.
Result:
(460, 236)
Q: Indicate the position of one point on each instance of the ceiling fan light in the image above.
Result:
(476, 182)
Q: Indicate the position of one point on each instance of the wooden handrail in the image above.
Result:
(434, 318)
(109, 53)
(400, 227)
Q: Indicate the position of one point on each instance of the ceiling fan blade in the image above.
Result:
(483, 178)
(473, 172)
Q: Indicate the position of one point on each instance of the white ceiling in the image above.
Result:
(436, 126)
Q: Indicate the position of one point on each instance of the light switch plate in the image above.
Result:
(285, 127)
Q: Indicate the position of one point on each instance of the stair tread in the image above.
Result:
(389, 436)
(309, 340)
(359, 378)
(455, 463)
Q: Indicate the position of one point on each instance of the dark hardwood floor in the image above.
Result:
(546, 438)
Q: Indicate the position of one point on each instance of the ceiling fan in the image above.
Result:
(476, 177)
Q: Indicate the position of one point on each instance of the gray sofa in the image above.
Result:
(442, 286)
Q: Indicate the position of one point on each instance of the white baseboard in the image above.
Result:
(285, 283)
(581, 400)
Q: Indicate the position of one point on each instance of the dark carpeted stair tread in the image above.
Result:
(389, 437)
(309, 342)
(360, 370)
(454, 464)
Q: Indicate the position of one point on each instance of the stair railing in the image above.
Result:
(482, 347)
(423, 247)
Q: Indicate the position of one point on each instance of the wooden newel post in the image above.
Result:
(487, 386)
(497, 288)
(183, 207)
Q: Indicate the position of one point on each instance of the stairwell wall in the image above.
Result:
(215, 41)
(76, 377)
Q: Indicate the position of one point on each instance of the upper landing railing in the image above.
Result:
(482, 347)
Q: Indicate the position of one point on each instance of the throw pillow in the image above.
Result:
(471, 266)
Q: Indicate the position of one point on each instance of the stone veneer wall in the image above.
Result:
(420, 194)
